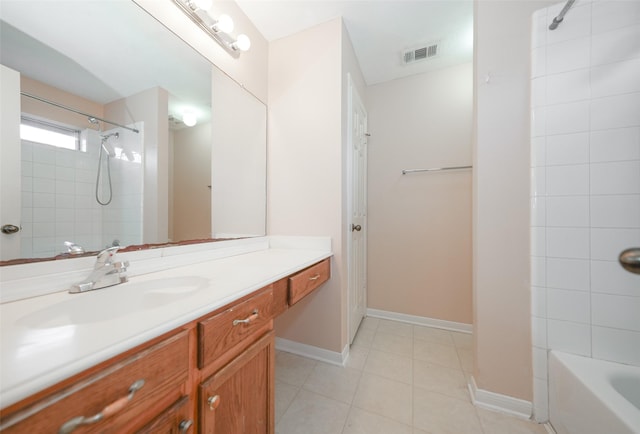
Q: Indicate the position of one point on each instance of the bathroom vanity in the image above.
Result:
(196, 354)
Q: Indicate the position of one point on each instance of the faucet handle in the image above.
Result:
(105, 257)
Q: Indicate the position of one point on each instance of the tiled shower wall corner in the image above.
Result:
(58, 200)
(585, 184)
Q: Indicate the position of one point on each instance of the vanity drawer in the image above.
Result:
(224, 332)
(303, 283)
(163, 367)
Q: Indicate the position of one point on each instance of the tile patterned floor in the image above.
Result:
(400, 379)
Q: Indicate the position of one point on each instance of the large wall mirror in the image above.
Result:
(156, 144)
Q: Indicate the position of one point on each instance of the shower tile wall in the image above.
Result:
(585, 196)
(58, 201)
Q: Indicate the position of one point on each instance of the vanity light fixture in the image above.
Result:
(218, 29)
(224, 23)
(243, 43)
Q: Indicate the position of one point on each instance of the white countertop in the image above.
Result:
(48, 338)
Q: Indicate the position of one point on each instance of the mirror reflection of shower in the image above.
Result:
(112, 192)
(60, 182)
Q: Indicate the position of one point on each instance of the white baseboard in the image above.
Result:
(421, 320)
(311, 352)
(498, 402)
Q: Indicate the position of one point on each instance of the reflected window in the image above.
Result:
(39, 131)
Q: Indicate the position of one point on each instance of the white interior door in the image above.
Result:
(10, 182)
(357, 245)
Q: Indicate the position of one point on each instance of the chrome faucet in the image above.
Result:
(106, 272)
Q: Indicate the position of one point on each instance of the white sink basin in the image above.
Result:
(102, 304)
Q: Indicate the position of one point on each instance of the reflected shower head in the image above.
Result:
(107, 136)
(107, 146)
(108, 149)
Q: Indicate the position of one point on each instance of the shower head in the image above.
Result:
(108, 149)
(557, 20)
(554, 23)
(107, 146)
(107, 136)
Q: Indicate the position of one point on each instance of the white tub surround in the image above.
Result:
(585, 185)
(589, 396)
(47, 338)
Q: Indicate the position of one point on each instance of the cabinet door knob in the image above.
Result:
(109, 410)
(356, 228)
(185, 425)
(214, 402)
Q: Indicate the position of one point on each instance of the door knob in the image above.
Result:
(10, 229)
(356, 228)
(630, 260)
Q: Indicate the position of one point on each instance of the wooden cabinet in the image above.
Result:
(237, 345)
(177, 419)
(304, 282)
(121, 397)
(292, 289)
(212, 375)
(238, 399)
(227, 332)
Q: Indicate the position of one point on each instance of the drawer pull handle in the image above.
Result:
(247, 320)
(185, 425)
(214, 402)
(108, 411)
(316, 277)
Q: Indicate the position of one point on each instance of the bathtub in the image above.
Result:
(590, 396)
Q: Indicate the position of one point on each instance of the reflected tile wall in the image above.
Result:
(585, 196)
(58, 199)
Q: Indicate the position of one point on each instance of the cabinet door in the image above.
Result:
(239, 398)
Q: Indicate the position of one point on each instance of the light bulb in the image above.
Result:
(189, 118)
(243, 43)
(224, 24)
(203, 4)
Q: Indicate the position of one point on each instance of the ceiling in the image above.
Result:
(380, 30)
(118, 59)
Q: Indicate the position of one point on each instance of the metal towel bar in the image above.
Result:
(435, 169)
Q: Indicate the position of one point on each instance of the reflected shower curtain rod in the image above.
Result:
(89, 116)
(435, 169)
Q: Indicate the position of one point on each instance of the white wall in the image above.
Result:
(305, 168)
(151, 108)
(419, 246)
(585, 197)
(502, 331)
(238, 160)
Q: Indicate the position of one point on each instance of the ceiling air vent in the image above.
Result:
(422, 53)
